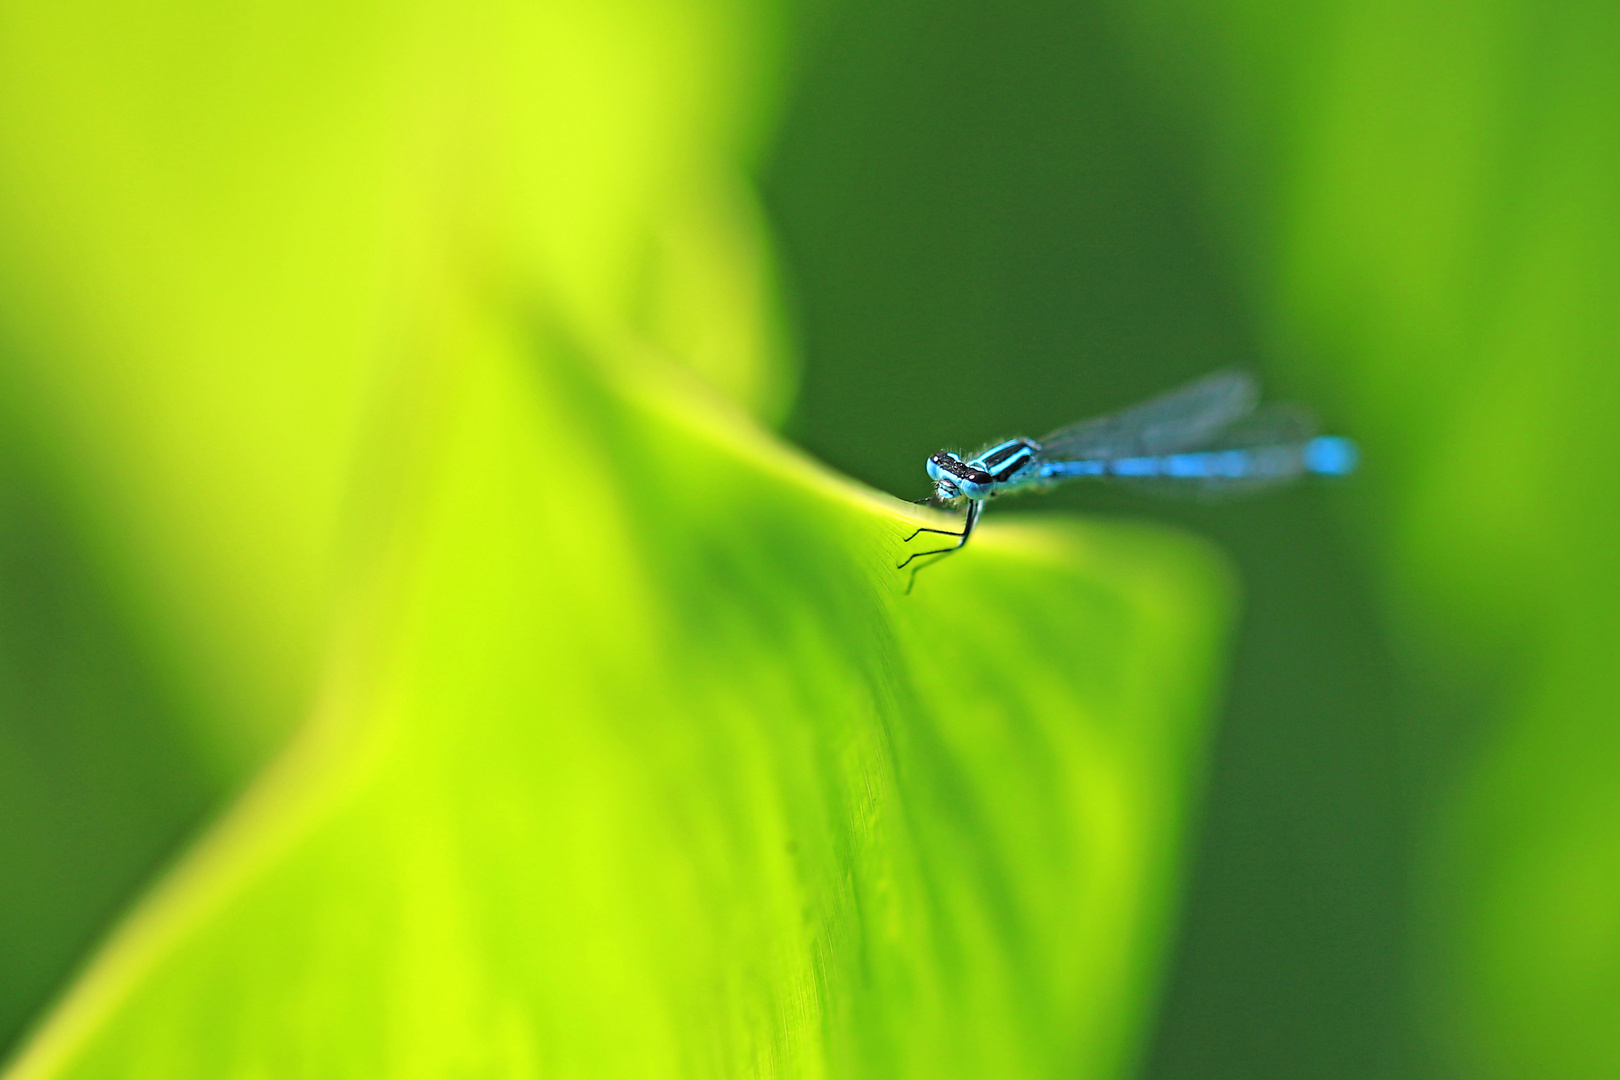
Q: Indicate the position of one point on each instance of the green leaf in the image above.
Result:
(631, 757)
(636, 760)
(222, 232)
(1443, 251)
(1478, 272)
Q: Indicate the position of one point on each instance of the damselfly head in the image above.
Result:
(955, 479)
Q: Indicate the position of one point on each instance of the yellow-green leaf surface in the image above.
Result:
(637, 761)
(223, 231)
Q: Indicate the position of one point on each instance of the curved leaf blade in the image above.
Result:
(644, 765)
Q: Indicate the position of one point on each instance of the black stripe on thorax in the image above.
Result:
(1002, 453)
(1018, 462)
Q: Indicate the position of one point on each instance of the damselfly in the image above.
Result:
(1211, 436)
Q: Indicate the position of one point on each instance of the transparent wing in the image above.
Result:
(1182, 419)
(1262, 450)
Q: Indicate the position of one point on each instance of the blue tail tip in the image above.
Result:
(1331, 455)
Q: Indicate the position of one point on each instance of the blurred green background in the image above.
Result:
(996, 222)
(985, 219)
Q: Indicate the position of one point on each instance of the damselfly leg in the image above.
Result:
(968, 523)
(938, 532)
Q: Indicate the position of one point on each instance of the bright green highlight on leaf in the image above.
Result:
(647, 768)
(221, 226)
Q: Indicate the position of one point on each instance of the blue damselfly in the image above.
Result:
(1209, 437)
